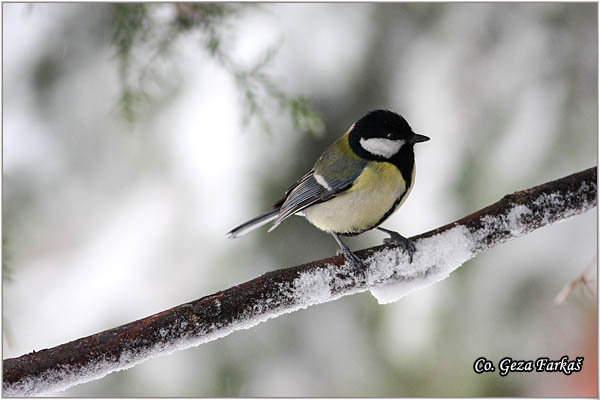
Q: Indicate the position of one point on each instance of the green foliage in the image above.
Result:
(139, 44)
(143, 42)
(130, 25)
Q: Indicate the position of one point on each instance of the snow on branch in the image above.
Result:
(388, 275)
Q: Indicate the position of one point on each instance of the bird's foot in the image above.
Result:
(356, 263)
(398, 239)
(348, 254)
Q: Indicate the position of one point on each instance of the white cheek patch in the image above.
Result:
(381, 147)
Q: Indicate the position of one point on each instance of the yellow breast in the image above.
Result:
(362, 207)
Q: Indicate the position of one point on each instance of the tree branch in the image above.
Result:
(387, 274)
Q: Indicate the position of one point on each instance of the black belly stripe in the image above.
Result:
(388, 212)
(391, 210)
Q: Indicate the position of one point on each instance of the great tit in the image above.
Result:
(355, 185)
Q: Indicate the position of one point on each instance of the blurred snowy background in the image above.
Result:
(116, 202)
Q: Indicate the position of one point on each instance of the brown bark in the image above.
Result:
(267, 296)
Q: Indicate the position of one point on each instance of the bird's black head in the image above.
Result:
(383, 135)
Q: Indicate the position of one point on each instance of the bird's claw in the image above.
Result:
(399, 240)
(348, 254)
(356, 263)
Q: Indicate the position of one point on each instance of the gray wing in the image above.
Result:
(306, 193)
(311, 189)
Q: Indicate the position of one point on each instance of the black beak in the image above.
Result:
(416, 138)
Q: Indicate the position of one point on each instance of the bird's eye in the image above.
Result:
(390, 135)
